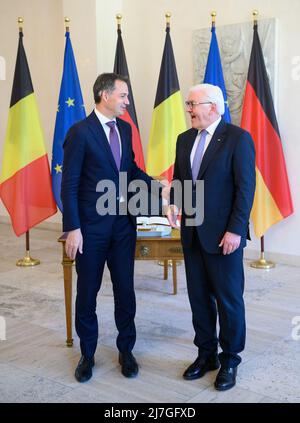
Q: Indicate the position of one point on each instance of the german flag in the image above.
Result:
(168, 119)
(272, 201)
(25, 182)
(129, 116)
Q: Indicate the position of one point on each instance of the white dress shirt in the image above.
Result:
(210, 132)
(103, 120)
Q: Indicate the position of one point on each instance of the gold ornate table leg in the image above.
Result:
(67, 267)
(174, 268)
(166, 264)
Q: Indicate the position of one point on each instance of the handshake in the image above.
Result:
(171, 211)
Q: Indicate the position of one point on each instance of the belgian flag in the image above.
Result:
(25, 182)
(272, 200)
(121, 68)
(168, 119)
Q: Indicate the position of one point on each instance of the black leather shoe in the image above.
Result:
(200, 366)
(226, 378)
(83, 370)
(129, 366)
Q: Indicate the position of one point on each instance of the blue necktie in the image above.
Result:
(198, 155)
(114, 142)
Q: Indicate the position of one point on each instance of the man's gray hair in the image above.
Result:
(212, 93)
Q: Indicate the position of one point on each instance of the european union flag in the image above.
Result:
(70, 110)
(213, 72)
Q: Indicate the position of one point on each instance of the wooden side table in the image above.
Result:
(161, 248)
(156, 248)
(67, 264)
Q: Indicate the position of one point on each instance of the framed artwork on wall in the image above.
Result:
(235, 43)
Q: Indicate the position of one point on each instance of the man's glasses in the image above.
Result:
(193, 104)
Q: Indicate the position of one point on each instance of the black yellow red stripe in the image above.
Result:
(272, 201)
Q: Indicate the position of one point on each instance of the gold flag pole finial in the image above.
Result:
(168, 18)
(20, 24)
(67, 23)
(119, 18)
(255, 15)
(213, 17)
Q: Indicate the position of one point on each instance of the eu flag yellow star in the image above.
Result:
(70, 102)
(58, 168)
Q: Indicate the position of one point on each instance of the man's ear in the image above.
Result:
(104, 95)
(214, 108)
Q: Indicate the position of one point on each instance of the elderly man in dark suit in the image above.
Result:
(222, 155)
(97, 149)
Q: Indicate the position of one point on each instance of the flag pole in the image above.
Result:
(261, 263)
(20, 24)
(213, 18)
(26, 260)
(168, 263)
(255, 15)
(168, 18)
(119, 18)
(67, 24)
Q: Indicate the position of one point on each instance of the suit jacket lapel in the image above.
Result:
(214, 145)
(101, 138)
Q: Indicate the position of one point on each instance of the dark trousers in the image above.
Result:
(215, 287)
(117, 249)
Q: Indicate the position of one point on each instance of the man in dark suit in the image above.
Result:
(97, 149)
(222, 155)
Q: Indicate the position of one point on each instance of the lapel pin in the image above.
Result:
(219, 139)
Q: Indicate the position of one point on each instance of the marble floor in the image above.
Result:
(36, 365)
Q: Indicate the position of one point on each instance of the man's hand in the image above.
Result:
(165, 193)
(74, 242)
(230, 242)
(165, 182)
(172, 213)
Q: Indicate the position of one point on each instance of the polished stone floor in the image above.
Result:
(36, 365)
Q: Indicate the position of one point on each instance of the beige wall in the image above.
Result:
(84, 42)
(93, 34)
